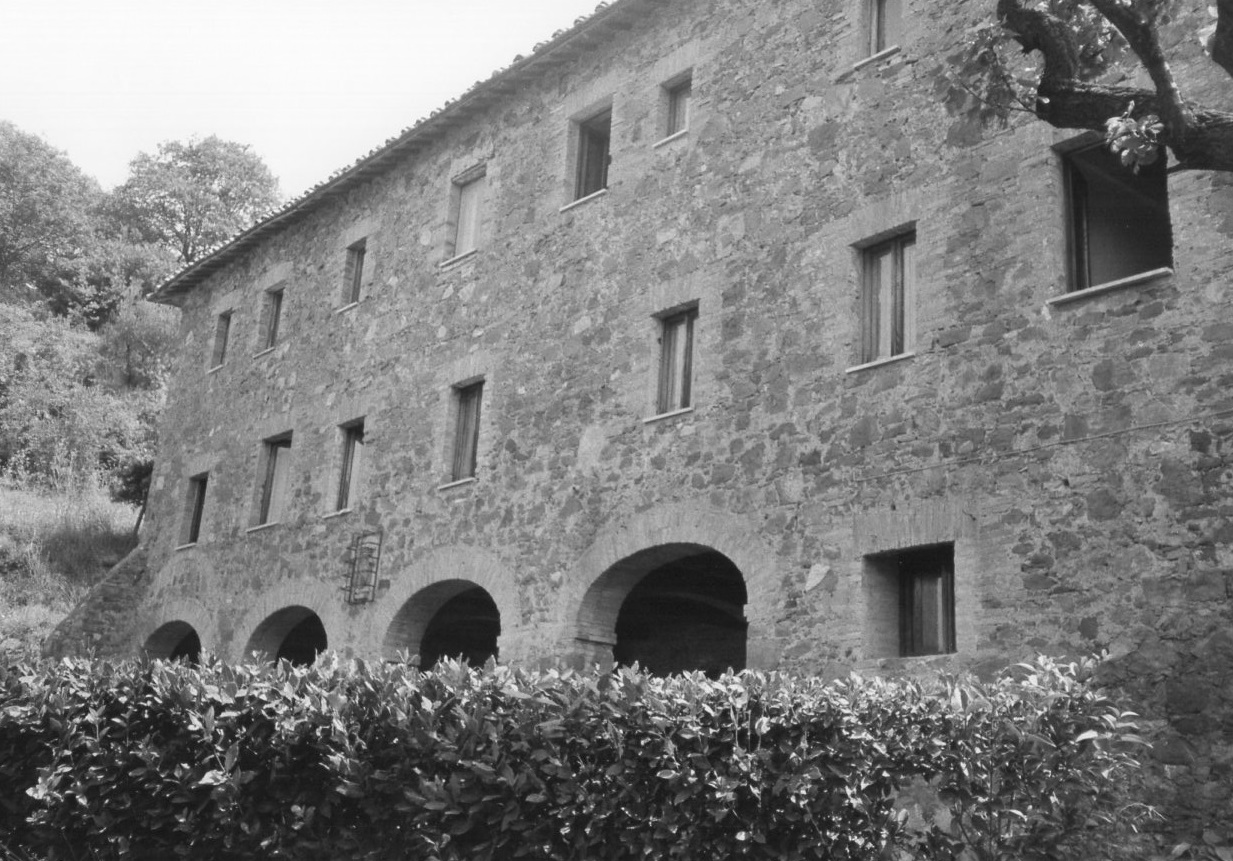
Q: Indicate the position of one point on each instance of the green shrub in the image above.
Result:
(159, 760)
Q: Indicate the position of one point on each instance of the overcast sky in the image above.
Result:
(311, 84)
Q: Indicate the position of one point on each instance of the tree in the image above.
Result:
(193, 196)
(46, 209)
(1069, 44)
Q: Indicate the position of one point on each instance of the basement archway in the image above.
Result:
(449, 619)
(671, 608)
(174, 641)
(294, 634)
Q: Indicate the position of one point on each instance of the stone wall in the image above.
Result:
(1075, 455)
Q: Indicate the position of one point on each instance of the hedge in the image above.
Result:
(374, 761)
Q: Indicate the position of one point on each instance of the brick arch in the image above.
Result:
(171, 639)
(409, 625)
(428, 582)
(624, 552)
(156, 634)
(323, 599)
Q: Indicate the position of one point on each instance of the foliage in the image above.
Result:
(45, 208)
(145, 760)
(53, 547)
(191, 196)
(1062, 61)
(58, 418)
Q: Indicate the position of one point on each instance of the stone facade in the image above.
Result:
(1071, 459)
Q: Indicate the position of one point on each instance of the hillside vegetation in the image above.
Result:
(54, 545)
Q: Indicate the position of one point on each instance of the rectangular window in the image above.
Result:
(888, 273)
(353, 272)
(466, 430)
(222, 330)
(277, 457)
(194, 508)
(922, 582)
(352, 457)
(885, 24)
(679, 94)
(465, 206)
(594, 136)
(1119, 219)
(676, 361)
(272, 314)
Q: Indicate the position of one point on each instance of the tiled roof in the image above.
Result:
(564, 46)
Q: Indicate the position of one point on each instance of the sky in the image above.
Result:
(311, 85)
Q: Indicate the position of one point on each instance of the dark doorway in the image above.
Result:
(303, 642)
(175, 641)
(466, 627)
(683, 615)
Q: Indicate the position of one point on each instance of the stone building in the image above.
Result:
(715, 333)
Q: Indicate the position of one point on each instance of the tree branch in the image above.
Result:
(1144, 39)
(1222, 41)
(1200, 139)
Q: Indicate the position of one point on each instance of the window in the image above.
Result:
(277, 464)
(353, 272)
(594, 136)
(352, 456)
(888, 274)
(676, 361)
(466, 430)
(272, 313)
(1119, 219)
(885, 25)
(194, 507)
(679, 93)
(222, 330)
(465, 205)
(922, 582)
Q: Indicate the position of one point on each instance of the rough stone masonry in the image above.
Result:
(708, 336)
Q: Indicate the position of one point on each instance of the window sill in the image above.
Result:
(456, 259)
(877, 363)
(347, 307)
(668, 415)
(583, 200)
(1109, 286)
(884, 54)
(189, 546)
(339, 513)
(459, 483)
(670, 138)
(264, 352)
(263, 526)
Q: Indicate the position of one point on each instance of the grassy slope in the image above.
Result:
(53, 547)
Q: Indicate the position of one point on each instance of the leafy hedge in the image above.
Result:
(341, 761)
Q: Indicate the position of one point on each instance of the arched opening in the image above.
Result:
(294, 634)
(449, 619)
(174, 641)
(672, 608)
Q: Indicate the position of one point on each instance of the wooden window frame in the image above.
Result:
(222, 333)
(273, 318)
(680, 98)
(1088, 212)
(463, 237)
(676, 359)
(353, 271)
(277, 464)
(593, 154)
(195, 508)
(918, 635)
(888, 321)
(464, 457)
(351, 463)
(885, 19)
